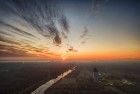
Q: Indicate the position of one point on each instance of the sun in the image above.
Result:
(63, 56)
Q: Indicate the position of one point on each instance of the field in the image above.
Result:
(116, 78)
(23, 78)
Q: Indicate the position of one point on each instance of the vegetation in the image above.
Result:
(23, 78)
(116, 78)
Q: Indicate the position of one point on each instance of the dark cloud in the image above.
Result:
(71, 49)
(97, 5)
(17, 30)
(83, 42)
(57, 39)
(84, 36)
(9, 54)
(42, 15)
(64, 23)
(22, 50)
(7, 40)
(64, 35)
(84, 33)
(6, 51)
(5, 33)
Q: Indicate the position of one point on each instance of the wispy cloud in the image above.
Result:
(41, 16)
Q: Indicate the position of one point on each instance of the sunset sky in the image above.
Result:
(69, 29)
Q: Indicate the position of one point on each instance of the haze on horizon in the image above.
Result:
(69, 30)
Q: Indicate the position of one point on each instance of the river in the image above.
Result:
(41, 89)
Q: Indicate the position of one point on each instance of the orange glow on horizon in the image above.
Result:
(82, 56)
(102, 56)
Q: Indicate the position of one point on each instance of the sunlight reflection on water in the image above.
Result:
(41, 89)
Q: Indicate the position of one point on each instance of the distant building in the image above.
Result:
(95, 74)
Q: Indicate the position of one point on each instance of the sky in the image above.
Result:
(69, 29)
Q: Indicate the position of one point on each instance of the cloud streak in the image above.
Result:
(36, 17)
